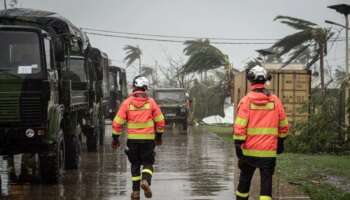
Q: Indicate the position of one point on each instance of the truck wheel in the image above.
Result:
(184, 125)
(73, 150)
(93, 140)
(52, 163)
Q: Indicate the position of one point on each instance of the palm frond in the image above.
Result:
(289, 42)
(132, 53)
(293, 19)
(313, 61)
(297, 26)
(296, 54)
(195, 45)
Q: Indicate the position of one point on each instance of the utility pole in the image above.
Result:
(345, 10)
(5, 4)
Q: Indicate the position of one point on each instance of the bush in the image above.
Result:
(321, 131)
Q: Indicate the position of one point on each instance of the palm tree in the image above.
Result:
(310, 37)
(203, 57)
(132, 53)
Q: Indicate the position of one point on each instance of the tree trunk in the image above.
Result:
(140, 65)
(322, 68)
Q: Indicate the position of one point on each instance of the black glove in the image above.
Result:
(280, 145)
(158, 139)
(239, 152)
(115, 141)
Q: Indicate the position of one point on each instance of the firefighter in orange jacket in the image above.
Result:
(145, 125)
(259, 131)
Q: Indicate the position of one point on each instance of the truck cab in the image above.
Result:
(172, 102)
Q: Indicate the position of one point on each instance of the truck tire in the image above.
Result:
(184, 125)
(93, 140)
(73, 150)
(52, 163)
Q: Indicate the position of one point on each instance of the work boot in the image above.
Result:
(146, 188)
(135, 195)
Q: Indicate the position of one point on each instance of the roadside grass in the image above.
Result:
(224, 132)
(319, 176)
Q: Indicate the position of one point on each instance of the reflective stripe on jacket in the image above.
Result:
(142, 116)
(260, 120)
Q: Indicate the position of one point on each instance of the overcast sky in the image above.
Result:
(236, 19)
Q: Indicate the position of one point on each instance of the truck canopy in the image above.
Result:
(51, 22)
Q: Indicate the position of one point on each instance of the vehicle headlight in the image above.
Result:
(30, 133)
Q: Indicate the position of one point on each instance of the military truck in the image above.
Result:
(172, 102)
(46, 100)
(99, 92)
(117, 88)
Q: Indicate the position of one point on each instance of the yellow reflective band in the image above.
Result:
(140, 124)
(258, 131)
(239, 137)
(136, 178)
(116, 132)
(160, 130)
(139, 136)
(119, 120)
(265, 198)
(268, 106)
(147, 171)
(259, 153)
(283, 122)
(282, 135)
(244, 195)
(159, 118)
(146, 106)
(241, 121)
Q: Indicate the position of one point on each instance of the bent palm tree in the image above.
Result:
(310, 37)
(203, 57)
(133, 53)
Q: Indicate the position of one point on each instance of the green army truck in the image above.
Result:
(46, 100)
(117, 89)
(99, 63)
(172, 102)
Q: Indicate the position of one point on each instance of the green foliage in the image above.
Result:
(320, 132)
(224, 132)
(207, 99)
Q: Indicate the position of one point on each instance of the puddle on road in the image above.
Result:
(189, 166)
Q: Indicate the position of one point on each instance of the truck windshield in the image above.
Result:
(19, 52)
(171, 96)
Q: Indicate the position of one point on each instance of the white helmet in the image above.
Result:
(140, 82)
(258, 73)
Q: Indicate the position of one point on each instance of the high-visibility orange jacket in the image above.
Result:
(260, 120)
(141, 114)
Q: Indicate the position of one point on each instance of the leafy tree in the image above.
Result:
(132, 54)
(310, 37)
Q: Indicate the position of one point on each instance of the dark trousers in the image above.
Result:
(140, 153)
(248, 166)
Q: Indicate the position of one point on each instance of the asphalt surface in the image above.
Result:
(192, 165)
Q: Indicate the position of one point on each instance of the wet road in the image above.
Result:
(189, 166)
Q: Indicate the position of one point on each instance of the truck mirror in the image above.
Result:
(59, 51)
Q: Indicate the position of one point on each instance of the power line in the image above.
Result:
(171, 36)
(174, 41)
